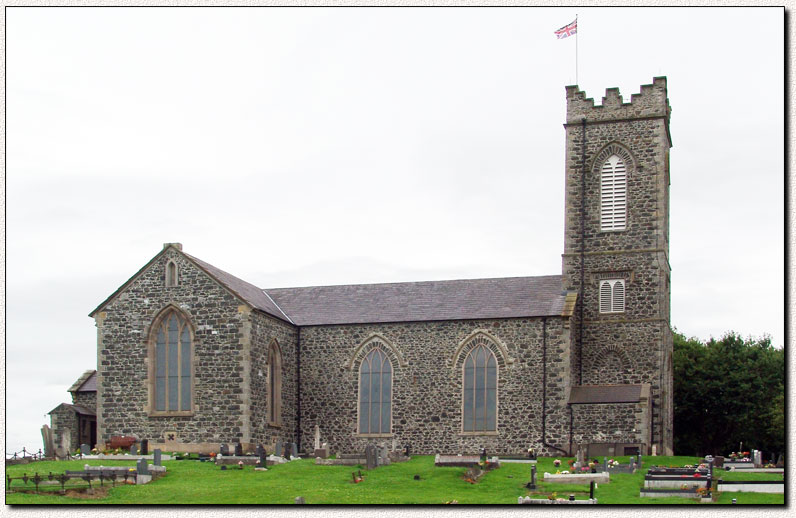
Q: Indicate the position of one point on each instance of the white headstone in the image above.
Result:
(317, 437)
(654, 450)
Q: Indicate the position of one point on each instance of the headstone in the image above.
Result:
(317, 437)
(156, 457)
(224, 450)
(591, 489)
(370, 456)
(47, 436)
(780, 461)
(640, 463)
(533, 477)
(300, 500)
(66, 442)
(141, 466)
(406, 450)
(261, 454)
(384, 456)
(718, 462)
(238, 449)
(85, 449)
(133, 449)
(605, 463)
(293, 449)
(145, 447)
(758, 458)
(654, 450)
(278, 449)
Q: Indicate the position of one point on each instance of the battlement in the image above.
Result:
(652, 101)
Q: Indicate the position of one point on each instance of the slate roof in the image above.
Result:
(586, 394)
(422, 301)
(87, 382)
(250, 293)
(77, 408)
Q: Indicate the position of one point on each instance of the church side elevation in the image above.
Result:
(189, 356)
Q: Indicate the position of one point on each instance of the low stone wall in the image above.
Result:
(247, 460)
(674, 482)
(663, 492)
(577, 478)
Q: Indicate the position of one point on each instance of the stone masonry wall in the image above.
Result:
(637, 341)
(85, 399)
(427, 386)
(264, 330)
(610, 423)
(61, 420)
(219, 323)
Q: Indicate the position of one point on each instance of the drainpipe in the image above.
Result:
(298, 386)
(544, 387)
(582, 248)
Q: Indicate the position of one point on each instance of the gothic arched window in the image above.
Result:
(479, 397)
(375, 393)
(613, 194)
(274, 384)
(171, 274)
(173, 364)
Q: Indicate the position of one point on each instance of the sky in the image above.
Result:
(297, 147)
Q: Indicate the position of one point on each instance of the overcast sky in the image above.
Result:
(295, 147)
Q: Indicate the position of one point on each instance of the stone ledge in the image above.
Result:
(577, 478)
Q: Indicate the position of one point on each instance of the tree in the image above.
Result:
(726, 392)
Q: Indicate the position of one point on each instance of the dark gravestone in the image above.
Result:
(370, 456)
(133, 449)
(293, 449)
(406, 450)
(639, 461)
(223, 449)
(85, 449)
(145, 447)
(605, 464)
(780, 462)
(156, 457)
(718, 462)
(533, 477)
(238, 449)
(141, 467)
(261, 454)
(278, 449)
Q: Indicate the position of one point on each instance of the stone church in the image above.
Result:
(190, 356)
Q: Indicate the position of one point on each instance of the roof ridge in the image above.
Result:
(414, 282)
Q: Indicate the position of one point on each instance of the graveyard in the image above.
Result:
(394, 479)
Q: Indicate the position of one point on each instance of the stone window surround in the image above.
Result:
(372, 342)
(612, 283)
(156, 322)
(275, 396)
(615, 148)
(172, 274)
(473, 340)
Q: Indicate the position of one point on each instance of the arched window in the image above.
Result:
(173, 364)
(480, 391)
(171, 274)
(375, 392)
(613, 194)
(274, 384)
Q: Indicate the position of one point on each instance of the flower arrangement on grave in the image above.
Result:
(531, 453)
(212, 454)
(552, 496)
(94, 451)
(565, 472)
(571, 462)
(584, 469)
(557, 462)
(240, 464)
(703, 492)
(593, 466)
(613, 463)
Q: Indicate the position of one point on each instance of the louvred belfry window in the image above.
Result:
(613, 195)
(612, 296)
(480, 391)
(173, 350)
(375, 388)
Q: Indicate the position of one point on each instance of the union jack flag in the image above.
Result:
(567, 30)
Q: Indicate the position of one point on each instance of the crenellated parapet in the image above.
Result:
(652, 101)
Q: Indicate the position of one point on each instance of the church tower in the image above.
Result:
(616, 251)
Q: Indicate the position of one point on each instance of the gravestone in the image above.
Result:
(133, 449)
(578, 458)
(605, 463)
(238, 449)
(370, 456)
(293, 449)
(758, 458)
(640, 463)
(383, 456)
(278, 449)
(47, 436)
(406, 450)
(780, 462)
(141, 466)
(533, 477)
(317, 437)
(300, 500)
(84, 449)
(156, 457)
(145, 447)
(654, 450)
(224, 450)
(66, 443)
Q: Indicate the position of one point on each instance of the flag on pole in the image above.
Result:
(567, 30)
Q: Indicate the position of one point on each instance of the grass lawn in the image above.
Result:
(192, 482)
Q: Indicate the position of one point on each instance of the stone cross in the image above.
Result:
(156, 457)
(141, 467)
(317, 437)
(47, 436)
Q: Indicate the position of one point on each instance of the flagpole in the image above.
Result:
(577, 30)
